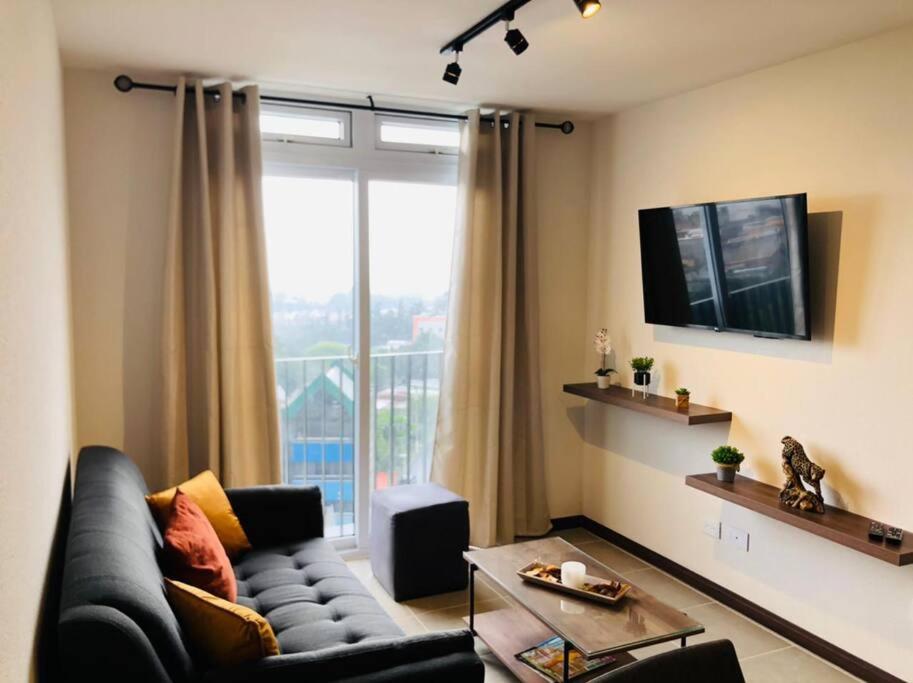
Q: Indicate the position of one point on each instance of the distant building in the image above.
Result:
(433, 325)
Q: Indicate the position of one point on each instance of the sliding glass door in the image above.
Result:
(310, 235)
(411, 234)
(359, 241)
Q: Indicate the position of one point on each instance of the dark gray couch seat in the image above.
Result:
(116, 624)
(310, 597)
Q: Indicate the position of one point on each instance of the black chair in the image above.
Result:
(715, 661)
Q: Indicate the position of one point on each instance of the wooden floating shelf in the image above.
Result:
(836, 525)
(658, 406)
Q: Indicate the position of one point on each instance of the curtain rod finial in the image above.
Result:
(123, 83)
(567, 127)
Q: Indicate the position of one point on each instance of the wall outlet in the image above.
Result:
(735, 537)
(712, 529)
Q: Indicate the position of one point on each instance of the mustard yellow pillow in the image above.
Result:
(206, 491)
(223, 633)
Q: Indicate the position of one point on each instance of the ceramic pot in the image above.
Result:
(603, 381)
(641, 379)
(726, 472)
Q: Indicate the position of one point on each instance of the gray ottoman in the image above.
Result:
(418, 535)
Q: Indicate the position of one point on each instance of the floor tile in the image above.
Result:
(666, 589)
(484, 591)
(495, 672)
(791, 665)
(575, 535)
(764, 656)
(410, 625)
(612, 556)
(452, 617)
(749, 638)
(645, 652)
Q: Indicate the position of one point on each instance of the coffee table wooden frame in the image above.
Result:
(556, 547)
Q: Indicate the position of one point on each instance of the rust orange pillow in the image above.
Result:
(221, 632)
(193, 552)
(207, 492)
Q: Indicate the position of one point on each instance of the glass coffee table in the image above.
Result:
(594, 629)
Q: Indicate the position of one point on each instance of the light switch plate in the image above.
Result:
(735, 537)
(712, 529)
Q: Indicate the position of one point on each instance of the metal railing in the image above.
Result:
(317, 406)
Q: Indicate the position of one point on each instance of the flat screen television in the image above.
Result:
(737, 266)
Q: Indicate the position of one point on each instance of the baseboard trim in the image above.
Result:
(798, 635)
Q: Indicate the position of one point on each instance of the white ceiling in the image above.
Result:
(631, 52)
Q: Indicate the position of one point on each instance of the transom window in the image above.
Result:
(425, 135)
(279, 123)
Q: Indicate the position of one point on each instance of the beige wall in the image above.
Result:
(35, 387)
(564, 214)
(118, 163)
(838, 125)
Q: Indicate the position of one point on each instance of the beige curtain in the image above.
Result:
(220, 408)
(488, 445)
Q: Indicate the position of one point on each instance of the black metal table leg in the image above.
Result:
(684, 640)
(567, 661)
(472, 598)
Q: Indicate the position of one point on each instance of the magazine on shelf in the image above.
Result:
(547, 658)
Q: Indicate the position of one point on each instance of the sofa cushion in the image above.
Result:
(207, 492)
(310, 597)
(222, 633)
(193, 552)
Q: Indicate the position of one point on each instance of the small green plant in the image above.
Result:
(642, 364)
(681, 391)
(727, 455)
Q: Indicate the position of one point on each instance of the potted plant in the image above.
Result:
(727, 459)
(682, 398)
(603, 345)
(642, 368)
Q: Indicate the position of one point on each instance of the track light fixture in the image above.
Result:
(453, 70)
(588, 8)
(515, 40)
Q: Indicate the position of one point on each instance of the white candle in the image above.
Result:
(573, 574)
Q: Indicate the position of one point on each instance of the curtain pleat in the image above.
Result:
(488, 443)
(220, 410)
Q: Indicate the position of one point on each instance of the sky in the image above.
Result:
(310, 228)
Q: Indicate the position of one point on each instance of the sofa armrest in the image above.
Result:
(444, 657)
(100, 643)
(276, 515)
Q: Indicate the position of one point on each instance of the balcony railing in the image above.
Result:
(317, 406)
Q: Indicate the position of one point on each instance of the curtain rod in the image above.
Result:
(125, 84)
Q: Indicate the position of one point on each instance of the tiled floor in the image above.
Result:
(764, 656)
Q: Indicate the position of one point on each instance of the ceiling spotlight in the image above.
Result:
(588, 7)
(452, 71)
(515, 40)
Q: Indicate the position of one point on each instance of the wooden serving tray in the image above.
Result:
(586, 595)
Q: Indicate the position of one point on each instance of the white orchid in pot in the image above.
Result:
(603, 345)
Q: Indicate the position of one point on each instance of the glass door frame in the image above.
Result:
(362, 163)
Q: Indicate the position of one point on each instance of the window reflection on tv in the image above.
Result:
(738, 266)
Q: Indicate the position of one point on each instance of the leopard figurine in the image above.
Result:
(798, 468)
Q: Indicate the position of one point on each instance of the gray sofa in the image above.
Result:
(116, 625)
